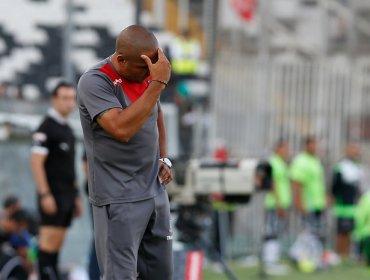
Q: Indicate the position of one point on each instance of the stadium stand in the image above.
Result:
(31, 38)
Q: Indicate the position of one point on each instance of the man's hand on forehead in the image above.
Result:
(161, 69)
(153, 57)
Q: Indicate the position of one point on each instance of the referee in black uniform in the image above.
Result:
(53, 168)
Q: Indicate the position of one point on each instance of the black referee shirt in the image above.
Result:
(55, 139)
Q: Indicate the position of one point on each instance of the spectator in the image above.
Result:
(21, 239)
(53, 168)
(362, 226)
(185, 55)
(27, 228)
(12, 266)
(277, 202)
(11, 204)
(346, 191)
(308, 182)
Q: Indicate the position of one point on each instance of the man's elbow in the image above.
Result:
(125, 139)
(116, 132)
(122, 135)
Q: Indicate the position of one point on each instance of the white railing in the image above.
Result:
(254, 104)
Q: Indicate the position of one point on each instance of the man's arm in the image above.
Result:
(162, 135)
(78, 210)
(280, 210)
(38, 171)
(297, 196)
(123, 124)
(165, 173)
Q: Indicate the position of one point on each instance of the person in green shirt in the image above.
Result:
(277, 202)
(308, 183)
(362, 226)
(345, 190)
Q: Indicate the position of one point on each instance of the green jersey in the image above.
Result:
(307, 170)
(362, 217)
(282, 196)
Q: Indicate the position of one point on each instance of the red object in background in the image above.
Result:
(194, 265)
(221, 154)
(244, 8)
(217, 196)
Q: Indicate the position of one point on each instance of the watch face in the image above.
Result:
(167, 162)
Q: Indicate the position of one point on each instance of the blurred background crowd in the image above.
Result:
(254, 83)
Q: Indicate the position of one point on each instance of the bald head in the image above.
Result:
(134, 41)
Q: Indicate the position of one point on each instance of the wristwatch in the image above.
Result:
(166, 161)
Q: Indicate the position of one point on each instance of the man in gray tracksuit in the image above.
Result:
(125, 144)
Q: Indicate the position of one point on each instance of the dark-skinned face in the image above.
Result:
(134, 68)
(9, 226)
(353, 152)
(312, 147)
(284, 151)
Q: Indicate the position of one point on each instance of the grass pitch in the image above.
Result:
(345, 272)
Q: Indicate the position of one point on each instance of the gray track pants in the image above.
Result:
(134, 239)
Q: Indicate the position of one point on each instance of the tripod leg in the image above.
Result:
(226, 269)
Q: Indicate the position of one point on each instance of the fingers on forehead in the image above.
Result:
(160, 52)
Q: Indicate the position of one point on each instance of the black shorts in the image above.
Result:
(314, 221)
(274, 225)
(345, 225)
(63, 217)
